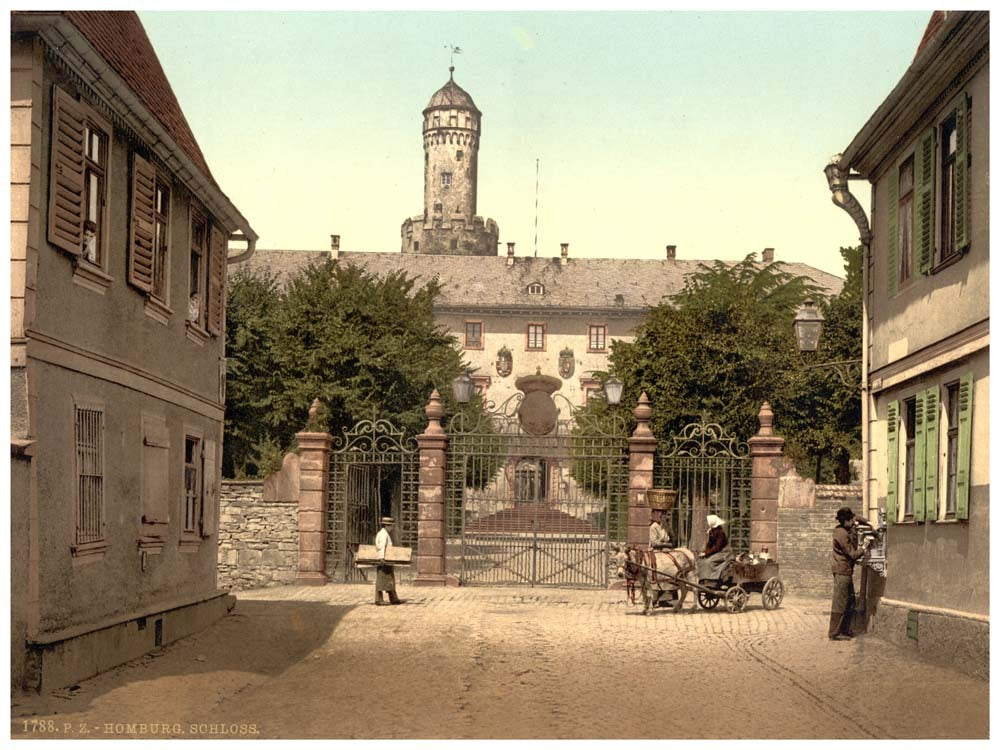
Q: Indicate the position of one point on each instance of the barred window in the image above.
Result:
(951, 486)
(446, 179)
(90, 474)
(192, 483)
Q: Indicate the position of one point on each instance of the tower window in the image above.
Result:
(459, 154)
(437, 208)
(453, 121)
(446, 179)
(437, 121)
(468, 122)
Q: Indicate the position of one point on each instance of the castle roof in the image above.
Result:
(451, 95)
(487, 282)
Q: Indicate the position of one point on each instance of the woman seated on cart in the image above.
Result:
(717, 555)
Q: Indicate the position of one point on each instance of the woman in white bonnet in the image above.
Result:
(717, 552)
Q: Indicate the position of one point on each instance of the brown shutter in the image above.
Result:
(210, 493)
(155, 470)
(216, 281)
(140, 260)
(66, 176)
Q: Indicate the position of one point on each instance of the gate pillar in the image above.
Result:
(430, 499)
(766, 450)
(314, 473)
(641, 449)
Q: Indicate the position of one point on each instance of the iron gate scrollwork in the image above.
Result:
(374, 470)
(535, 510)
(711, 471)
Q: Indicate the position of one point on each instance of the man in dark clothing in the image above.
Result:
(845, 555)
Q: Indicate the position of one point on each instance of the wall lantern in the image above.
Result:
(462, 386)
(613, 390)
(808, 325)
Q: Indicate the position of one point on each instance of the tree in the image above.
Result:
(366, 346)
(717, 349)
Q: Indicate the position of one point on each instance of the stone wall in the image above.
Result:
(806, 518)
(258, 536)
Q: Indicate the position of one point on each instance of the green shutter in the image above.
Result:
(932, 400)
(961, 223)
(919, 452)
(892, 241)
(964, 446)
(892, 459)
(924, 187)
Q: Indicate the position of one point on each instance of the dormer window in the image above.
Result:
(536, 288)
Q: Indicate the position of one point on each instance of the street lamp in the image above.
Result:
(613, 390)
(462, 387)
(808, 325)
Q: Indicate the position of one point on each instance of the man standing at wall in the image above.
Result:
(845, 555)
(385, 576)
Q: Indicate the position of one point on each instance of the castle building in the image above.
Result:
(449, 225)
(511, 315)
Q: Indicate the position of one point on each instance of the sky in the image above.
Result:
(704, 130)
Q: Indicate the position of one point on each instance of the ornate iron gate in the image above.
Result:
(711, 472)
(374, 470)
(535, 510)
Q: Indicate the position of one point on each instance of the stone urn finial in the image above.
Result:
(314, 408)
(434, 411)
(643, 413)
(766, 417)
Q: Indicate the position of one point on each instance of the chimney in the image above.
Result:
(768, 256)
(510, 253)
(335, 246)
(671, 252)
(564, 253)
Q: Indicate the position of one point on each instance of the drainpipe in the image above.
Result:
(837, 177)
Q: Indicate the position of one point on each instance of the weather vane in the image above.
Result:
(454, 51)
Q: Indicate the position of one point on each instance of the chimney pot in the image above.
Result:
(671, 252)
(510, 253)
(769, 255)
(564, 252)
(334, 246)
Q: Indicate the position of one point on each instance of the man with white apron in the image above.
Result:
(385, 577)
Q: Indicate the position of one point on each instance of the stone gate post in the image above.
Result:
(314, 477)
(641, 449)
(430, 503)
(766, 451)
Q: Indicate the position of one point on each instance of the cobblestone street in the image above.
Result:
(512, 663)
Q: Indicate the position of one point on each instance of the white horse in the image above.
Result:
(648, 568)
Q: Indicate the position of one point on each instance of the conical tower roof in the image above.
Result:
(451, 95)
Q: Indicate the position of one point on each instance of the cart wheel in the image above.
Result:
(736, 599)
(773, 593)
(707, 601)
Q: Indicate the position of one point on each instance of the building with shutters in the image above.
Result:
(119, 244)
(925, 152)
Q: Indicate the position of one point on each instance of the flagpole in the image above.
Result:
(536, 207)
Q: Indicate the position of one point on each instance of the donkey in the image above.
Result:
(634, 564)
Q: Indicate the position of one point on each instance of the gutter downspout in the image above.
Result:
(837, 176)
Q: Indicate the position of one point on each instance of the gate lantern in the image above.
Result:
(613, 390)
(462, 387)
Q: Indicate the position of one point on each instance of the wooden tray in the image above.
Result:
(367, 554)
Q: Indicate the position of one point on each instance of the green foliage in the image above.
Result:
(364, 345)
(723, 345)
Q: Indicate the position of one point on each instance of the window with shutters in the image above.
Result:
(905, 219)
(89, 442)
(193, 486)
(161, 243)
(197, 271)
(155, 475)
(78, 188)
(954, 167)
(950, 429)
(909, 455)
(536, 337)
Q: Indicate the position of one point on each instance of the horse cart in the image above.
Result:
(744, 575)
